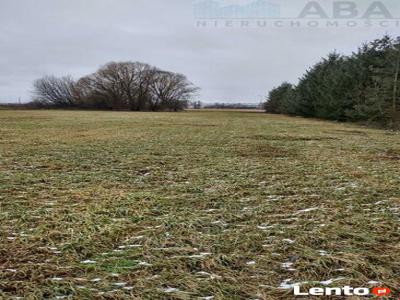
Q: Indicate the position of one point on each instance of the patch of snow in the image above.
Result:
(265, 227)
(138, 237)
(202, 273)
(307, 210)
(88, 262)
(289, 241)
(11, 270)
(286, 285)
(170, 290)
(201, 255)
(275, 198)
(330, 281)
(119, 284)
(286, 265)
(145, 264)
(322, 252)
(205, 274)
(57, 279)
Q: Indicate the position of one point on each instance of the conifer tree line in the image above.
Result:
(364, 86)
(117, 86)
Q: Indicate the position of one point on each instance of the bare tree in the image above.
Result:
(144, 80)
(117, 85)
(171, 91)
(51, 90)
(105, 87)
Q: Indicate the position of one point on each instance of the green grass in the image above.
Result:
(115, 205)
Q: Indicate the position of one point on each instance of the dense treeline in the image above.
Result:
(119, 86)
(361, 87)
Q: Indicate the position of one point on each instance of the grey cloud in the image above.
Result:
(39, 37)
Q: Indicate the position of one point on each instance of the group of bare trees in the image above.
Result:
(120, 86)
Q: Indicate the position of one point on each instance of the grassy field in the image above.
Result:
(193, 205)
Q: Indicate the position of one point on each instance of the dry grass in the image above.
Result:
(102, 205)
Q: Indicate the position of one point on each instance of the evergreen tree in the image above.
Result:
(361, 87)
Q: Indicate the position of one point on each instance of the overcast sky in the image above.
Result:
(39, 37)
